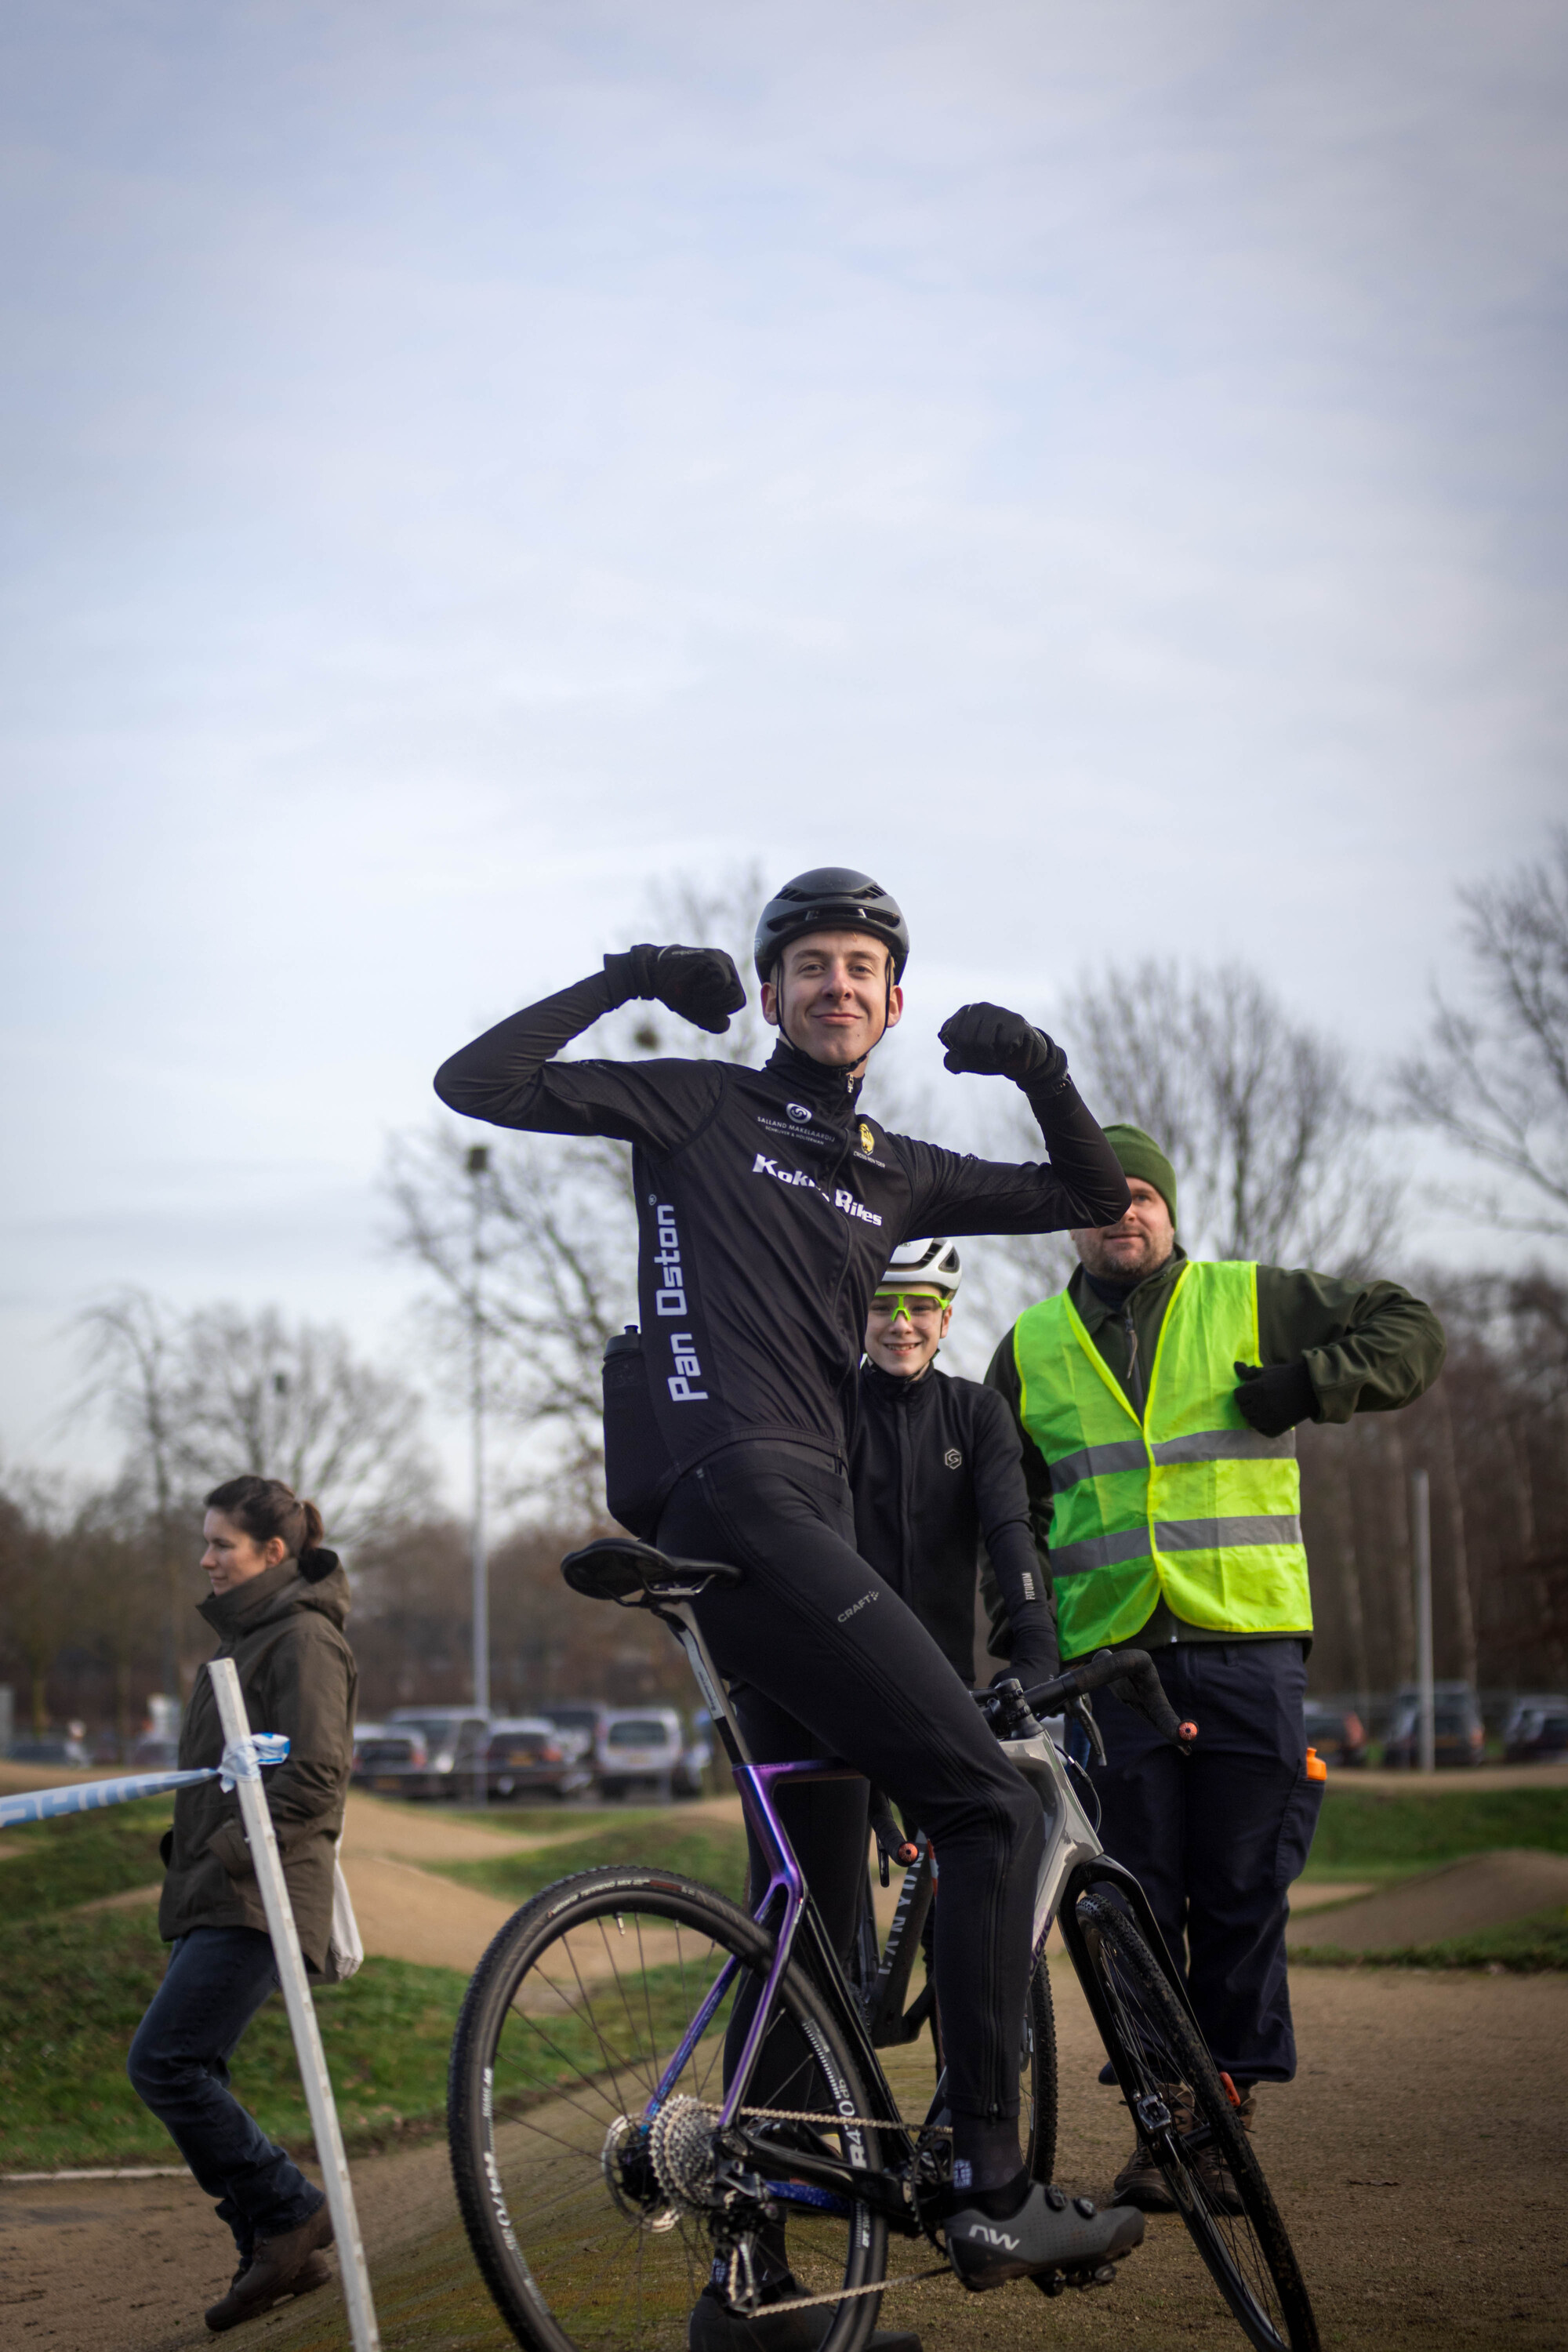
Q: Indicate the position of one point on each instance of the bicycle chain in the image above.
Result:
(812, 2302)
(821, 2116)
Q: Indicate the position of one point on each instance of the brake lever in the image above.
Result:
(1082, 1715)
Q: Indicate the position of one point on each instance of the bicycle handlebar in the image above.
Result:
(1143, 1689)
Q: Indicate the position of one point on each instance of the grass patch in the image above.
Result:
(714, 1853)
(544, 1819)
(1371, 1833)
(76, 1994)
(1524, 1947)
(83, 1855)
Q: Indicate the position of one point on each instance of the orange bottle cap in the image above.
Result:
(1316, 1767)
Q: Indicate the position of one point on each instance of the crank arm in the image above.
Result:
(888, 2192)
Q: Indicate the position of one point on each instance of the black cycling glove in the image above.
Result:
(1275, 1397)
(995, 1044)
(1035, 1657)
(702, 984)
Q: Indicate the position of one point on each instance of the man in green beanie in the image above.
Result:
(1157, 1398)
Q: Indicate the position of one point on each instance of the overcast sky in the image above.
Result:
(1100, 468)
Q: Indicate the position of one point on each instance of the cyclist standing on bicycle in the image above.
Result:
(935, 1470)
(768, 1206)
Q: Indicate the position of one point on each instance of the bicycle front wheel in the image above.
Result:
(1038, 2077)
(584, 2086)
(1168, 2077)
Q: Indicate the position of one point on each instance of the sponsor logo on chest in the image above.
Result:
(839, 1198)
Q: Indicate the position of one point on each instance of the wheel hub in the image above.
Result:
(630, 2176)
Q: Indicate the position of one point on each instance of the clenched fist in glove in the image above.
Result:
(994, 1043)
(699, 983)
(1275, 1397)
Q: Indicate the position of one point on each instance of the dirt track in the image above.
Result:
(1421, 2159)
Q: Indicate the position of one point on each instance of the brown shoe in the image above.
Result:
(291, 2264)
(1217, 2175)
(1140, 2181)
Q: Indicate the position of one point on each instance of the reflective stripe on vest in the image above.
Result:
(1195, 1505)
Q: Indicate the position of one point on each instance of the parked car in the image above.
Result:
(638, 1745)
(690, 1778)
(390, 1760)
(55, 1748)
(154, 1752)
(525, 1752)
(1537, 1729)
(579, 1721)
(1459, 1735)
(1336, 1733)
(455, 1740)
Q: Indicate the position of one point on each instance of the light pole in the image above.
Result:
(479, 1160)
(1421, 1545)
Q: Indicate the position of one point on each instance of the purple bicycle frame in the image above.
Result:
(755, 1782)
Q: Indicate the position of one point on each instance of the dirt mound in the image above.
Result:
(1484, 1890)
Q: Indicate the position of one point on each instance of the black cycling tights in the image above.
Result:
(832, 1662)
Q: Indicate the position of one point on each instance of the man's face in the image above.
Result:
(1138, 1244)
(830, 996)
(905, 1328)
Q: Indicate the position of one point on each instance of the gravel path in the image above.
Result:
(1421, 2159)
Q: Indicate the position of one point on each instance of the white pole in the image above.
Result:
(1421, 1546)
(263, 1842)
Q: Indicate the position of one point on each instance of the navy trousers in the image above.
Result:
(1217, 1837)
(216, 1980)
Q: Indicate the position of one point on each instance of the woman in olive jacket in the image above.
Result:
(278, 1604)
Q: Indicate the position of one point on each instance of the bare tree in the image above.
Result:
(37, 1597)
(1257, 1111)
(130, 1346)
(206, 1395)
(557, 1277)
(293, 1402)
(1495, 1082)
(558, 1267)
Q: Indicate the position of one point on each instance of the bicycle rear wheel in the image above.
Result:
(1155, 2047)
(593, 2232)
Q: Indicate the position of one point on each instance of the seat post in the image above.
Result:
(678, 1613)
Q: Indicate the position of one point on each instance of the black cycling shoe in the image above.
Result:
(715, 2327)
(1055, 2240)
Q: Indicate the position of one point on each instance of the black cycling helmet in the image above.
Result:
(830, 899)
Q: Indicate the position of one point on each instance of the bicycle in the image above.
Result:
(590, 2116)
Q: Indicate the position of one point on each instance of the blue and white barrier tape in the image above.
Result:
(242, 1760)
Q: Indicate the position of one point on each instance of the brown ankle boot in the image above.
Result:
(1140, 2181)
(1217, 2177)
(291, 2264)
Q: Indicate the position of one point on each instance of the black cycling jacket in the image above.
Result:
(767, 1209)
(935, 1467)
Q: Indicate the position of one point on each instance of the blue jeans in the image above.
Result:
(1218, 1838)
(217, 1978)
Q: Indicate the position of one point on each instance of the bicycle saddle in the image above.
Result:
(617, 1568)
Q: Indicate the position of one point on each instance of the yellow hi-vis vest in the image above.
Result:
(1189, 1502)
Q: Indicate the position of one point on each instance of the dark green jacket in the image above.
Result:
(298, 1674)
(1368, 1347)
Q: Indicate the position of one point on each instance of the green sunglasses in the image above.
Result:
(919, 1306)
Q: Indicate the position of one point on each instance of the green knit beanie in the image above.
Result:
(1140, 1156)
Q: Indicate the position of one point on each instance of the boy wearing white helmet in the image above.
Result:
(936, 1470)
